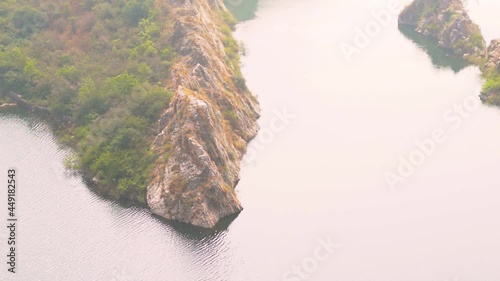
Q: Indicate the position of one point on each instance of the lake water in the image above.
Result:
(317, 178)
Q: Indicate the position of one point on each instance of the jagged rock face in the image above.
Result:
(207, 126)
(494, 55)
(492, 68)
(447, 22)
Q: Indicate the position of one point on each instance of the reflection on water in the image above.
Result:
(440, 57)
(243, 10)
(196, 233)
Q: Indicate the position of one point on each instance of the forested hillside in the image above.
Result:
(100, 67)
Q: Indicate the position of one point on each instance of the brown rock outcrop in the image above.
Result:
(207, 126)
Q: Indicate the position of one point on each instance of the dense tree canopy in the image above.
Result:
(99, 65)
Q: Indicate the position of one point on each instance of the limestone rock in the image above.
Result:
(207, 126)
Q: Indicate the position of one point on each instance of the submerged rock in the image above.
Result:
(207, 126)
(448, 23)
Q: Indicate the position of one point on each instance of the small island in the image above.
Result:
(448, 23)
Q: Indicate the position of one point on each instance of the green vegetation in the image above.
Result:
(232, 49)
(425, 9)
(490, 92)
(492, 83)
(99, 66)
(474, 41)
(439, 23)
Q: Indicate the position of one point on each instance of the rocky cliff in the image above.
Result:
(494, 55)
(448, 23)
(208, 124)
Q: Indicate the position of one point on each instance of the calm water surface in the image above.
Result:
(320, 177)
